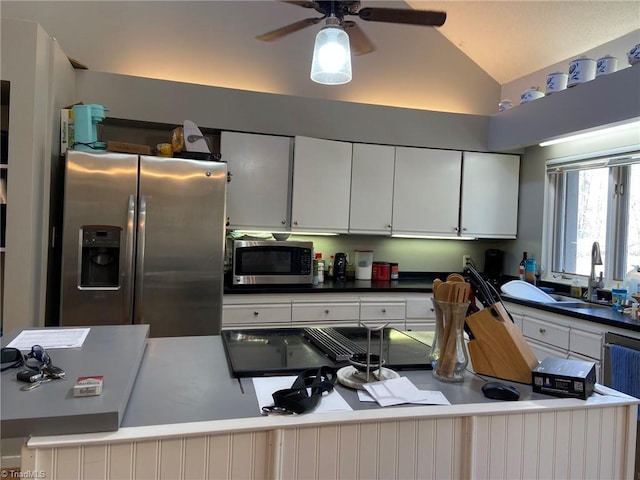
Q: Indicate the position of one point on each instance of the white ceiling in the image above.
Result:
(511, 39)
(214, 43)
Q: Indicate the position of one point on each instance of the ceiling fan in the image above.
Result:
(360, 43)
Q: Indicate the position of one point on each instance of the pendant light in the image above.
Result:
(331, 63)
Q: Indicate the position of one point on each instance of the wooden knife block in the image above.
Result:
(498, 348)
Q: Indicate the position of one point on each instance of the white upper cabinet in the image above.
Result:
(426, 193)
(321, 185)
(260, 168)
(489, 195)
(371, 189)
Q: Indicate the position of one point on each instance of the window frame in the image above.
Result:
(618, 162)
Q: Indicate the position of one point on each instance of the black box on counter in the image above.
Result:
(562, 377)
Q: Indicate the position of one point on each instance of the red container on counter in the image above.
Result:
(381, 271)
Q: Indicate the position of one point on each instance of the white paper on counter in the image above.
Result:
(434, 397)
(266, 386)
(394, 391)
(50, 338)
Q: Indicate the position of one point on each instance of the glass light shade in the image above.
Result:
(331, 63)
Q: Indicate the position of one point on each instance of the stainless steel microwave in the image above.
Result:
(272, 262)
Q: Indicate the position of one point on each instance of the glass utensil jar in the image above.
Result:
(449, 356)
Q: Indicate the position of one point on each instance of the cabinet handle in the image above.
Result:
(389, 225)
(384, 310)
(326, 311)
(543, 330)
(295, 222)
(283, 222)
(255, 314)
(456, 229)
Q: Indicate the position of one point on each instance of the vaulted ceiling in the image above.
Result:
(482, 46)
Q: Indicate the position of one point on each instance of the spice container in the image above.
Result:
(394, 275)
(381, 271)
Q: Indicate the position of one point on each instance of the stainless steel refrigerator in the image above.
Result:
(143, 242)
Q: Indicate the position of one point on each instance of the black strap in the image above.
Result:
(297, 399)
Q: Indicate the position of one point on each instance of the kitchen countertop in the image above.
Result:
(602, 314)
(417, 282)
(423, 283)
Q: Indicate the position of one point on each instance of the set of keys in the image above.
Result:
(34, 379)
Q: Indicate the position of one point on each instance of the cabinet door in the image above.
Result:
(258, 193)
(490, 195)
(321, 186)
(321, 313)
(256, 315)
(426, 191)
(371, 189)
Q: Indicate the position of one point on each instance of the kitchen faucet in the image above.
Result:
(596, 259)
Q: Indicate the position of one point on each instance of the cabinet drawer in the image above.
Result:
(598, 364)
(256, 314)
(382, 311)
(543, 350)
(556, 335)
(586, 343)
(420, 307)
(319, 312)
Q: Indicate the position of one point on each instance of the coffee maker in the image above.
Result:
(493, 265)
(340, 267)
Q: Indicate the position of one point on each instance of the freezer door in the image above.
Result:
(179, 261)
(98, 238)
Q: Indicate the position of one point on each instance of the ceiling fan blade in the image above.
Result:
(360, 43)
(401, 15)
(287, 29)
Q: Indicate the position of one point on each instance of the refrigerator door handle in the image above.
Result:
(142, 225)
(128, 273)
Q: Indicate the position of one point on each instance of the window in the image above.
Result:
(596, 199)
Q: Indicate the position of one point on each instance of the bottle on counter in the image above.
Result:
(320, 267)
(314, 278)
(523, 263)
(530, 271)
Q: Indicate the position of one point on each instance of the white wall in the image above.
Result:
(31, 70)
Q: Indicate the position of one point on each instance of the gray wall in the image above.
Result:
(145, 99)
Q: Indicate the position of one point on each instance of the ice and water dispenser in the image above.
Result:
(100, 260)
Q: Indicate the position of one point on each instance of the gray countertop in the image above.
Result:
(186, 379)
(114, 351)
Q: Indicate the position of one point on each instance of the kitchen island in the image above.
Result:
(188, 418)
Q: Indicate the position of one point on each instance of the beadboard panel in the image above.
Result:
(577, 442)
(399, 449)
(242, 456)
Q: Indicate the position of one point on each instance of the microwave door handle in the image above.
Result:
(142, 226)
(127, 274)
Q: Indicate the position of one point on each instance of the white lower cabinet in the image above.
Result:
(399, 310)
(546, 332)
(258, 315)
(555, 335)
(421, 315)
(375, 312)
(326, 313)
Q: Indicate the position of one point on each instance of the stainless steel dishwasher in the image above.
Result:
(634, 344)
